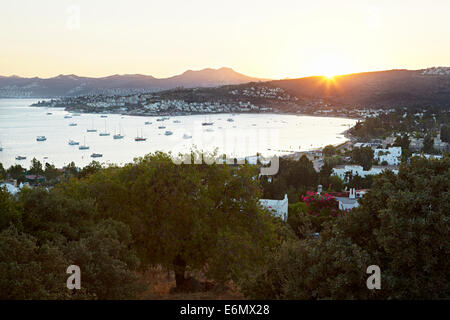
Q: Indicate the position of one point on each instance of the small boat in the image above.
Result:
(84, 146)
(103, 116)
(119, 135)
(168, 133)
(148, 122)
(20, 158)
(41, 138)
(186, 136)
(67, 117)
(104, 133)
(160, 119)
(73, 124)
(176, 121)
(73, 143)
(161, 127)
(96, 155)
(49, 113)
(230, 120)
(209, 130)
(207, 123)
(92, 129)
(140, 138)
(75, 114)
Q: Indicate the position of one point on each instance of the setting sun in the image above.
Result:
(330, 65)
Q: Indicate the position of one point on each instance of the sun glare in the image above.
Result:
(329, 65)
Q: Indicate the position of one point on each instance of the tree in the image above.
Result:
(293, 177)
(107, 261)
(30, 271)
(9, 210)
(71, 170)
(445, 133)
(363, 156)
(91, 168)
(184, 217)
(16, 172)
(402, 141)
(2, 172)
(50, 173)
(59, 230)
(428, 144)
(329, 150)
(36, 167)
(336, 184)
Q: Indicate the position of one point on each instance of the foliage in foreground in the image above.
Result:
(402, 226)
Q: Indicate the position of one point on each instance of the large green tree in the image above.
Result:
(184, 217)
(363, 156)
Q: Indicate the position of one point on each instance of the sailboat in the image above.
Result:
(119, 135)
(1, 147)
(104, 134)
(84, 146)
(140, 138)
(208, 123)
(96, 155)
(92, 130)
(73, 143)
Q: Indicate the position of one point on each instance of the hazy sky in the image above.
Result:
(273, 39)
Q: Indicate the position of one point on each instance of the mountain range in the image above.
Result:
(73, 85)
(372, 89)
(376, 89)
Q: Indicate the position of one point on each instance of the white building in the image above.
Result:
(391, 155)
(12, 187)
(348, 203)
(279, 208)
(428, 156)
(341, 171)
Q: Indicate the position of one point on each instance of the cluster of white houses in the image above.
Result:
(347, 201)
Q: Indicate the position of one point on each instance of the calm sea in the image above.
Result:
(243, 135)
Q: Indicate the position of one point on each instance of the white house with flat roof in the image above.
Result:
(342, 170)
(279, 208)
(391, 155)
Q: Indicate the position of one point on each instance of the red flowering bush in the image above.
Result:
(321, 207)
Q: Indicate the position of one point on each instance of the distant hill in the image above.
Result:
(376, 89)
(72, 85)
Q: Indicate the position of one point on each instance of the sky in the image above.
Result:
(268, 39)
